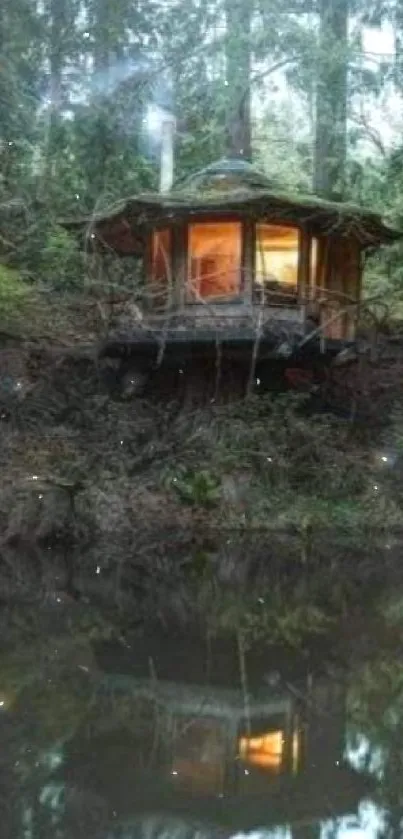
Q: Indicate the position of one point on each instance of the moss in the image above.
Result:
(346, 218)
(15, 298)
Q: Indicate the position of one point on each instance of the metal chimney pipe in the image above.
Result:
(168, 126)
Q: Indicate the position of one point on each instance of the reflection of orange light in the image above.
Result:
(314, 260)
(265, 751)
(295, 752)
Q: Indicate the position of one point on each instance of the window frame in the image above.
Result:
(179, 258)
(288, 724)
(300, 263)
(155, 231)
(238, 299)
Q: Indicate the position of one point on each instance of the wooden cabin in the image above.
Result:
(215, 745)
(230, 261)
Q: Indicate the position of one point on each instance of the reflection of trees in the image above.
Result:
(47, 682)
(376, 714)
(310, 831)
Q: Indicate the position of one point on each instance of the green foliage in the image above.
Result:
(269, 619)
(196, 487)
(282, 451)
(15, 296)
(61, 261)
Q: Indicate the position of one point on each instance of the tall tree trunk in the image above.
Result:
(331, 100)
(3, 86)
(238, 68)
(57, 37)
(56, 50)
(102, 42)
(398, 39)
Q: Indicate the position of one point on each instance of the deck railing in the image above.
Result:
(315, 311)
(329, 312)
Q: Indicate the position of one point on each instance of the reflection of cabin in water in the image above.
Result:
(228, 260)
(217, 744)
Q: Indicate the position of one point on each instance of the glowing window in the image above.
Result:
(266, 751)
(276, 262)
(214, 261)
(161, 267)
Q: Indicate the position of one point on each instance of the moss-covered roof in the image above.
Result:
(243, 192)
(226, 174)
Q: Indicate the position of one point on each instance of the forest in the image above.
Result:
(275, 519)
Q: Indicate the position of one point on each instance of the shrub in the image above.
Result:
(61, 261)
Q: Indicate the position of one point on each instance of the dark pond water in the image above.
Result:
(185, 739)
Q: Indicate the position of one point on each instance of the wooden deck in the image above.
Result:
(265, 332)
(242, 343)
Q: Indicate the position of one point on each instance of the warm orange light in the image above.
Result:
(277, 255)
(265, 751)
(214, 260)
(295, 752)
(314, 264)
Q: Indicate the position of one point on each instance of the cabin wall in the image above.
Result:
(329, 280)
(179, 264)
(159, 288)
(340, 267)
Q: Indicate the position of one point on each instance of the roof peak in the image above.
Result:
(226, 174)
